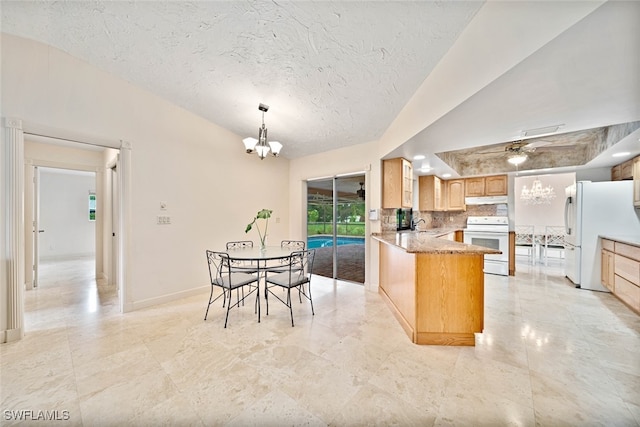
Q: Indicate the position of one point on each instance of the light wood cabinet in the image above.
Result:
(430, 193)
(496, 185)
(397, 187)
(615, 173)
(624, 170)
(607, 273)
(441, 195)
(455, 195)
(474, 187)
(438, 298)
(620, 271)
(486, 186)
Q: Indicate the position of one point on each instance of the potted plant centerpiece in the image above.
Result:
(262, 214)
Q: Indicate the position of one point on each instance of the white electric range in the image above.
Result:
(490, 232)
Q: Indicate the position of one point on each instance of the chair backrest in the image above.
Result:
(293, 244)
(301, 264)
(554, 235)
(524, 234)
(219, 265)
(240, 244)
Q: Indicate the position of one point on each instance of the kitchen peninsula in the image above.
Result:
(433, 285)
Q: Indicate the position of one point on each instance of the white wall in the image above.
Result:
(64, 214)
(211, 186)
(542, 215)
(359, 158)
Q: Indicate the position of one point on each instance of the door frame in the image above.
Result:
(334, 189)
(12, 155)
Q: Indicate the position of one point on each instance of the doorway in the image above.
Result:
(64, 228)
(336, 226)
(95, 206)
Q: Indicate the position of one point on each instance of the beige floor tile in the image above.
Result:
(550, 355)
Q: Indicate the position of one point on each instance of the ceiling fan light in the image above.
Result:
(517, 159)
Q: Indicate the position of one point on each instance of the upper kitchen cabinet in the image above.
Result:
(441, 195)
(486, 186)
(455, 195)
(474, 187)
(430, 193)
(496, 185)
(397, 183)
(623, 170)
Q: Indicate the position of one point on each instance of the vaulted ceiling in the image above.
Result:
(342, 73)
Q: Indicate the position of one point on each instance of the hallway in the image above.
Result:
(550, 355)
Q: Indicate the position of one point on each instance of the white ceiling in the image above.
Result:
(339, 73)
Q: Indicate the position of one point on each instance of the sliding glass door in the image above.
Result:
(336, 226)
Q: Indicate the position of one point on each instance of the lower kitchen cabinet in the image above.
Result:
(621, 271)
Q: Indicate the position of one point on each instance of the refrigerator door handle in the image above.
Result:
(567, 229)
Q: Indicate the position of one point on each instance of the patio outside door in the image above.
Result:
(336, 226)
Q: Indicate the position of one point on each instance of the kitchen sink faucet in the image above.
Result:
(414, 224)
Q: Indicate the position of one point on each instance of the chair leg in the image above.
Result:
(228, 307)
(289, 304)
(209, 305)
(257, 303)
(311, 301)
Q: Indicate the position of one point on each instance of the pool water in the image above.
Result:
(314, 242)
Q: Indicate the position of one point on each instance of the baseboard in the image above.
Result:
(150, 302)
(11, 335)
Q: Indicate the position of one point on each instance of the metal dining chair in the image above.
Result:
(245, 267)
(294, 245)
(224, 277)
(554, 240)
(297, 275)
(525, 239)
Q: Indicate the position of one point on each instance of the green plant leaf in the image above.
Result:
(264, 214)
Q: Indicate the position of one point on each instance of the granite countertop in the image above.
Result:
(623, 238)
(427, 241)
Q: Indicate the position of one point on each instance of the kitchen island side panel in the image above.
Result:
(398, 283)
(450, 293)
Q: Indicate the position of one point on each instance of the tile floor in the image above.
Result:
(550, 355)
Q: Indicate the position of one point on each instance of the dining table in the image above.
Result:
(260, 258)
(263, 258)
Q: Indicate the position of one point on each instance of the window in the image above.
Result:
(92, 207)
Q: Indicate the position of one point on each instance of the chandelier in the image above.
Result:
(260, 145)
(537, 195)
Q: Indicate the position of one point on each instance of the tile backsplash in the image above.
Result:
(457, 219)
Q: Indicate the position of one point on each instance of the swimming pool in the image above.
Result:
(314, 242)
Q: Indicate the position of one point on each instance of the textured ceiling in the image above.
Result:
(552, 151)
(333, 73)
(337, 73)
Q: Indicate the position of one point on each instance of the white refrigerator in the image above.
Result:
(593, 209)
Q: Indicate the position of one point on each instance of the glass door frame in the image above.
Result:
(362, 175)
